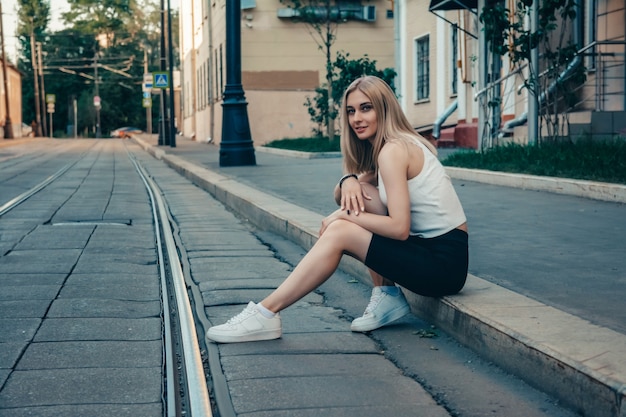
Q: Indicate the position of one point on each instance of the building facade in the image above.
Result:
(447, 75)
(281, 60)
(14, 81)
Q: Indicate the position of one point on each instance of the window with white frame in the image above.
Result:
(422, 61)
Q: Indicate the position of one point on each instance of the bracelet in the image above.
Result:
(345, 177)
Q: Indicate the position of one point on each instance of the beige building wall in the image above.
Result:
(281, 65)
(14, 81)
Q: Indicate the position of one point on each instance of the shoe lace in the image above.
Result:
(247, 312)
(374, 301)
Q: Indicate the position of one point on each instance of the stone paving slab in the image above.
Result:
(67, 329)
(31, 279)
(20, 329)
(46, 236)
(100, 410)
(325, 343)
(28, 292)
(9, 353)
(326, 392)
(229, 254)
(240, 284)
(99, 278)
(402, 410)
(131, 292)
(85, 267)
(259, 366)
(23, 308)
(82, 386)
(91, 354)
(40, 261)
(120, 257)
(91, 307)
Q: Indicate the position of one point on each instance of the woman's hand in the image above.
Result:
(328, 220)
(353, 196)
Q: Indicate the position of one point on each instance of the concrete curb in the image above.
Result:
(579, 363)
(614, 193)
(298, 154)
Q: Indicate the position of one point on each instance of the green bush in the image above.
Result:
(603, 161)
(592, 160)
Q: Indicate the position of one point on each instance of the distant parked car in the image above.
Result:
(124, 132)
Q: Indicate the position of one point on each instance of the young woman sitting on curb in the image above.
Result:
(399, 215)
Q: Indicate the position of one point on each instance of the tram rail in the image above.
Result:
(185, 390)
(193, 379)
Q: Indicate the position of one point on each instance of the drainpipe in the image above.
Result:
(443, 117)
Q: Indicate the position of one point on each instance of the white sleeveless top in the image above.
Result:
(435, 206)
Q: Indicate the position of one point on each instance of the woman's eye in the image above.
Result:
(366, 108)
(350, 111)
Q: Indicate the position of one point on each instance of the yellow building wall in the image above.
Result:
(281, 65)
(14, 82)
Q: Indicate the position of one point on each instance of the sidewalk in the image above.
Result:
(560, 327)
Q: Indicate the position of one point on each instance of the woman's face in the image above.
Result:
(361, 115)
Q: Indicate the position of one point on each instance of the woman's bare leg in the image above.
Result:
(376, 206)
(341, 237)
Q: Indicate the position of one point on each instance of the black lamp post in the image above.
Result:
(236, 146)
(170, 46)
(163, 123)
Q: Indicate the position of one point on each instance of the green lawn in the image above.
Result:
(603, 161)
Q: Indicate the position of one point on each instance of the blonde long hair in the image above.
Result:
(361, 156)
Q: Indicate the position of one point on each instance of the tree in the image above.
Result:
(507, 33)
(343, 71)
(109, 34)
(322, 21)
(33, 19)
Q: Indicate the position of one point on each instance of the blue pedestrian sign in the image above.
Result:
(160, 79)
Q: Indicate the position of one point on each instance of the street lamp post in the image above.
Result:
(163, 120)
(236, 146)
(170, 45)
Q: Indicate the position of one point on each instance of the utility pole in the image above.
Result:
(148, 109)
(42, 96)
(97, 97)
(8, 127)
(34, 62)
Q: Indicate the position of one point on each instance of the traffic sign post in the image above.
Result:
(146, 86)
(161, 79)
(50, 101)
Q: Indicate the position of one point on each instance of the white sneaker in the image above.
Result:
(247, 326)
(381, 311)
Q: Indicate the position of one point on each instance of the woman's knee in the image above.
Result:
(348, 236)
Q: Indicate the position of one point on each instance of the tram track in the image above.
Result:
(184, 386)
(185, 348)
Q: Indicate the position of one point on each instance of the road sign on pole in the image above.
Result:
(161, 79)
(147, 82)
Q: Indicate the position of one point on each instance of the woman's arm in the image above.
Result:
(393, 162)
(351, 189)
